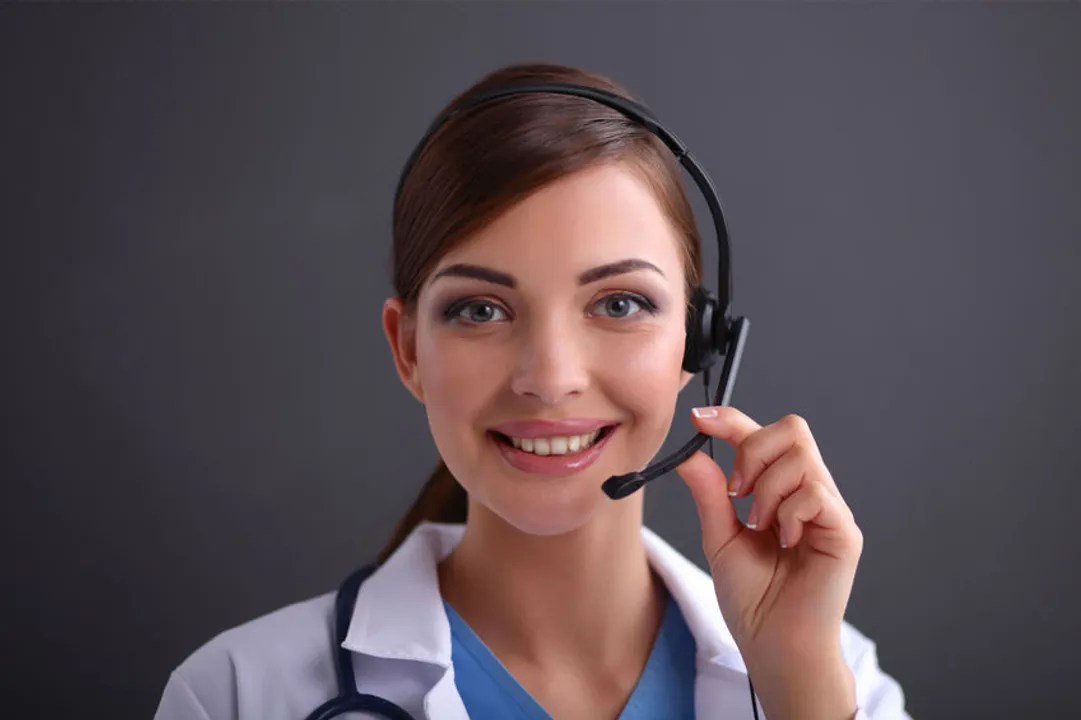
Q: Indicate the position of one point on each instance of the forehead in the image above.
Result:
(591, 217)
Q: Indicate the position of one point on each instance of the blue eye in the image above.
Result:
(621, 305)
(477, 312)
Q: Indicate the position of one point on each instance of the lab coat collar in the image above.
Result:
(399, 611)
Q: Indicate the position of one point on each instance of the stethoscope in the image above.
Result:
(349, 699)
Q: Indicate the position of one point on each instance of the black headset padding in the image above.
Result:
(705, 341)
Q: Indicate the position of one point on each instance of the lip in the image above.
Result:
(551, 428)
(553, 464)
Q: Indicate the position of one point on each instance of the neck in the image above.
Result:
(586, 598)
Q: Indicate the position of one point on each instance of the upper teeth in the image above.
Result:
(555, 445)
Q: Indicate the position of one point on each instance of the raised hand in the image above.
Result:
(784, 579)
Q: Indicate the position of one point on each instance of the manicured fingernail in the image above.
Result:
(705, 412)
(752, 518)
(737, 483)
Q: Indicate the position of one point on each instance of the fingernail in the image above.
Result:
(737, 483)
(752, 518)
(783, 539)
(705, 412)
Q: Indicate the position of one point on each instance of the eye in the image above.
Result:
(621, 305)
(476, 312)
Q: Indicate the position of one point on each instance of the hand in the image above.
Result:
(783, 580)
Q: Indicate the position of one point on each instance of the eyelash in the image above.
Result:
(451, 314)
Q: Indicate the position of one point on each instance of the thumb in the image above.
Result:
(709, 488)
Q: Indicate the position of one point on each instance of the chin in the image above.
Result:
(544, 524)
(547, 507)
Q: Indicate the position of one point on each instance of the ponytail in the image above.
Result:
(441, 500)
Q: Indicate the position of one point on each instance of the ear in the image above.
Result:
(400, 327)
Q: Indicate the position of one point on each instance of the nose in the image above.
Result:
(551, 364)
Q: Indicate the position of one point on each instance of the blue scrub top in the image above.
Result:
(664, 690)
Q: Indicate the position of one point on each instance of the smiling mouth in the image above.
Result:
(555, 445)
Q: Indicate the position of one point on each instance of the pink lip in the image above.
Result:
(550, 428)
(553, 464)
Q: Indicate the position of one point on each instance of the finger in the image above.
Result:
(724, 422)
(707, 484)
(780, 479)
(763, 448)
(813, 505)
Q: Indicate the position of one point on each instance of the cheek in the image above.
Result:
(645, 381)
(457, 379)
(655, 359)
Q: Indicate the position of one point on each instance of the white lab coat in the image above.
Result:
(280, 666)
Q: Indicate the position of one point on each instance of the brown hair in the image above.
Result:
(487, 159)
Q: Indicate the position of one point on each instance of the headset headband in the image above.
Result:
(633, 110)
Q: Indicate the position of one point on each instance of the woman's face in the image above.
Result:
(547, 349)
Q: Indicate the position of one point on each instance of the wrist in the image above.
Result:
(820, 690)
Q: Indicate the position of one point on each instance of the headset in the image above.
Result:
(712, 333)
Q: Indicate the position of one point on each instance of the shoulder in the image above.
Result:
(283, 659)
(270, 642)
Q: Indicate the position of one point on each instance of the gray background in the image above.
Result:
(201, 418)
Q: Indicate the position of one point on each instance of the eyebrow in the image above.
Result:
(621, 267)
(479, 272)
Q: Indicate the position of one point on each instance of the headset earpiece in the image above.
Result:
(706, 334)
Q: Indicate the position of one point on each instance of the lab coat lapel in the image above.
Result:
(399, 616)
(721, 688)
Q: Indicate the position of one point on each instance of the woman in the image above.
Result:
(544, 252)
